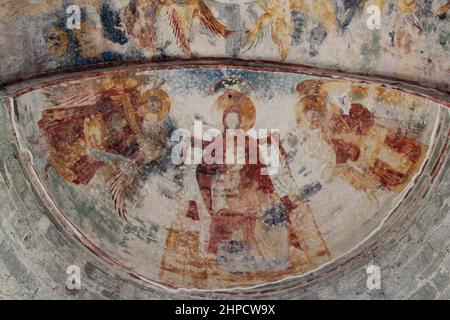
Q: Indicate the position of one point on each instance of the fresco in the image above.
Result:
(412, 43)
(102, 150)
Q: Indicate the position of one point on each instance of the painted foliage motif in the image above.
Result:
(102, 148)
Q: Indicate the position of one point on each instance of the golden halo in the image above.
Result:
(232, 100)
(162, 96)
(57, 42)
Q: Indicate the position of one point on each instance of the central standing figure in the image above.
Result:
(258, 225)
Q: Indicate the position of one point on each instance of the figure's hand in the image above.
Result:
(296, 200)
(292, 202)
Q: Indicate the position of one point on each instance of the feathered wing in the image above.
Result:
(80, 93)
(180, 18)
(73, 105)
(80, 140)
(125, 181)
(407, 10)
(360, 179)
(119, 187)
(66, 96)
(441, 11)
(276, 20)
(211, 22)
(258, 32)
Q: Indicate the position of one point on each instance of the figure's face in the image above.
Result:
(238, 111)
(314, 119)
(231, 120)
(149, 113)
(313, 112)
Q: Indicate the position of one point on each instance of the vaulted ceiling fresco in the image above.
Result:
(226, 145)
(102, 151)
(413, 42)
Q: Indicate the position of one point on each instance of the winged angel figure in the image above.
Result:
(114, 128)
(334, 16)
(140, 18)
(276, 20)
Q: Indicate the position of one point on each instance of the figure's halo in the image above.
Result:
(162, 96)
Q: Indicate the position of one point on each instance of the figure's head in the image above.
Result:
(152, 108)
(309, 87)
(239, 112)
(313, 111)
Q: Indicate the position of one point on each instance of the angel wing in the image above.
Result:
(124, 182)
(258, 32)
(275, 20)
(78, 94)
(118, 189)
(359, 179)
(88, 92)
(180, 18)
(442, 11)
(209, 21)
(406, 12)
(87, 130)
